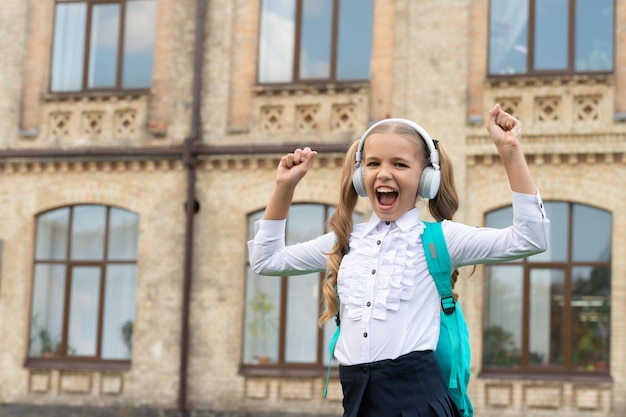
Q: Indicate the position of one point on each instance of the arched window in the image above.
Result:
(281, 313)
(83, 293)
(550, 313)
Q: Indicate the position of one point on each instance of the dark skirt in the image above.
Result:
(409, 386)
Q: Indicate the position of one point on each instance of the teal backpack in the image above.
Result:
(453, 349)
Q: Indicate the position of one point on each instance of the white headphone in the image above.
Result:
(431, 175)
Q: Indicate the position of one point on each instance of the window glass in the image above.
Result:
(303, 291)
(276, 46)
(558, 213)
(123, 234)
(546, 317)
(316, 38)
(355, 39)
(119, 312)
(88, 225)
(591, 288)
(592, 234)
(594, 46)
(502, 335)
(52, 234)
(500, 218)
(300, 224)
(139, 36)
(303, 299)
(46, 322)
(84, 302)
(105, 29)
(69, 47)
(508, 36)
(551, 34)
(261, 319)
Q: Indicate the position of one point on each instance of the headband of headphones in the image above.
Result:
(434, 154)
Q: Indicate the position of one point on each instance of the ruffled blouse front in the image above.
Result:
(384, 268)
(395, 270)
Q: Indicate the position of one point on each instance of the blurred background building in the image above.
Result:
(138, 144)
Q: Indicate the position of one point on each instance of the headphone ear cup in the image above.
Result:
(358, 182)
(429, 183)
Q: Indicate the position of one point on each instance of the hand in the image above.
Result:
(504, 129)
(294, 166)
(506, 132)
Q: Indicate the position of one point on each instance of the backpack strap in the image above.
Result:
(440, 268)
(331, 350)
(439, 264)
(333, 343)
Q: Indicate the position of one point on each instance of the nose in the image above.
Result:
(383, 173)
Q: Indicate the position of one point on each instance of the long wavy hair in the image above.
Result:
(443, 206)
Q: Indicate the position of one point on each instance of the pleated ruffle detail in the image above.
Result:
(395, 271)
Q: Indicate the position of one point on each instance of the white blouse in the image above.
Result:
(389, 301)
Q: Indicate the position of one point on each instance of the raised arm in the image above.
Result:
(291, 169)
(506, 132)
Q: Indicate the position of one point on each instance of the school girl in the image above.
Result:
(389, 305)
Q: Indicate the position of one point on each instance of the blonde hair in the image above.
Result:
(443, 206)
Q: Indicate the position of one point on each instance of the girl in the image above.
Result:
(389, 303)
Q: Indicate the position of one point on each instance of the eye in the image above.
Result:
(372, 164)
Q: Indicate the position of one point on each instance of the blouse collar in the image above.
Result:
(405, 223)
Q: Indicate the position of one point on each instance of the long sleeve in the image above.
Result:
(527, 235)
(269, 256)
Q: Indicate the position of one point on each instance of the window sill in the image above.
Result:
(604, 378)
(317, 86)
(563, 79)
(287, 371)
(93, 95)
(77, 364)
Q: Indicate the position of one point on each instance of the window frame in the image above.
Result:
(567, 266)
(84, 88)
(296, 78)
(571, 47)
(64, 361)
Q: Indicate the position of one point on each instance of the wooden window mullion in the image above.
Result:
(334, 40)
(297, 40)
(571, 36)
(530, 58)
(567, 313)
(525, 315)
(120, 45)
(68, 285)
(103, 274)
(87, 50)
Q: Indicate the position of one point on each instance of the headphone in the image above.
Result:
(431, 175)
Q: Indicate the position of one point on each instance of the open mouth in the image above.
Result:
(386, 196)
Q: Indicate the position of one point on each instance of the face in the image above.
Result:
(392, 169)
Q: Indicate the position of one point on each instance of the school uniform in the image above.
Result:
(389, 302)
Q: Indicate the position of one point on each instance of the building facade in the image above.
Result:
(139, 142)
